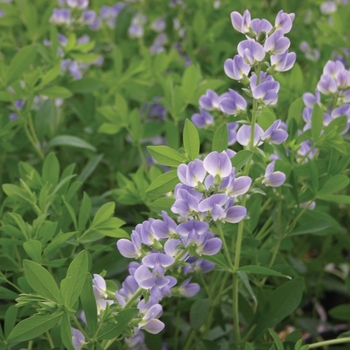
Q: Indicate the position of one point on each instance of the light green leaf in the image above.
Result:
(166, 155)
(73, 141)
(32, 327)
(241, 158)
(164, 183)
(72, 285)
(51, 169)
(84, 85)
(191, 140)
(220, 140)
(41, 280)
(277, 341)
(34, 249)
(88, 302)
(312, 227)
(260, 270)
(21, 62)
(90, 168)
(10, 319)
(103, 214)
(55, 92)
(66, 332)
(336, 198)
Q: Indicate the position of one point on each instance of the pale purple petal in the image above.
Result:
(235, 214)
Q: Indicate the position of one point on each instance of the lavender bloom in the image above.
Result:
(150, 321)
(89, 17)
(185, 228)
(327, 85)
(158, 25)
(343, 79)
(244, 135)
(283, 62)
(188, 289)
(329, 7)
(273, 179)
(192, 173)
(284, 21)
(232, 102)
(235, 187)
(310, 99)
(276, 43)
(214, 204)
(186, 202)
(218, 164)
(135, 31)
(74, 70)
(267, 90)
(19, 104)
(210, 100)
(202, 119)
(260, 26)
(251, 51)
(130, 249)
(84, 39)
(60, 16)
(275, 134)
(333, 68)
(80, 4)
(311, 54)
(232, 133)
(147, 279)
(198, 265)
(99, 287)
(137, 341)
(13, 116)
(235, 214)
(241, 24)
(2, 13)
(236, 68)
(62, 39)
(153, 259)
(78, 339)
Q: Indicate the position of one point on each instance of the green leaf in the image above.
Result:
(50, 75)
(84, 85)
(266, 118)
(191, 140)
(17, 193)
(7, 294)
(190, 80)
(21, 62)
(164, 183)
(277, 341)
(72, 285)
(341, 312)
(84, 212)
(281, 303)
(311, 227)
(32, 327)
(313, 175)
(41, 280)
(218, 259)
(55, 92)
(10, 319)
(73, 141)
(90, 168)
(88, 302)
(334, 184)
(199, 312)
(51, 169)
(260, 270)
(34, 250)
(103, 214)
(123, 319)
(295, 109)
(316, 122)
(241, 158)
(162, 204)
(220, 139)
(66, 332)
(340, 199)
(166, 155)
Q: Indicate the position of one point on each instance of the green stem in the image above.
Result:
(189, 339)
(329, 342)
(226, 251)
(262, 232)
(52, 345)
(77, 323)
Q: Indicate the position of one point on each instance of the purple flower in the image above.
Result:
(241, 24)
(267, 90)
(260, 26)
(214, 204)
(275, 134)
(209, 101)
(343, 79)
(333, 68)
(232, 133)
(74, 70)
(329, 7)
(244, 135)
(283, 62)
(202, 119)
(135, 31)
(276, 43)
(147, 279)
(235, 214)
(89, 17)
(273, 178)
(78, 339)
(13, 116)
(150, 321)
(327, 85)
(192, 173)
(158, 25)
(99, 287)
(186, 201)
(310, 99)
(236, 68)
(251, 51)
(218, 164)
(60, 16)
(80, 4)
(232, 102)
(188, 289)
(185, 228)
(19, 104)
(152, 259)
(284, 21)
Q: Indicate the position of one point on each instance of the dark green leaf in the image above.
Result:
(41, 280)
(123, 319)
(191, 140)
(334, 184)
(7, 294)
(341, 312)
(34, 249)
(316, 122)
(89, 168)
(66, 332)
(88, 302)
(312, 227)
(10, 319)
(281, 303)
(85, 85)
(260, 270)
(199, 312)
(220, 140)
(32, 327)
(51, 169)
(218, 259)
(277, 341)
(241, 158)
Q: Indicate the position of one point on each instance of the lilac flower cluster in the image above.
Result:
(263, 40)
(77, 14)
